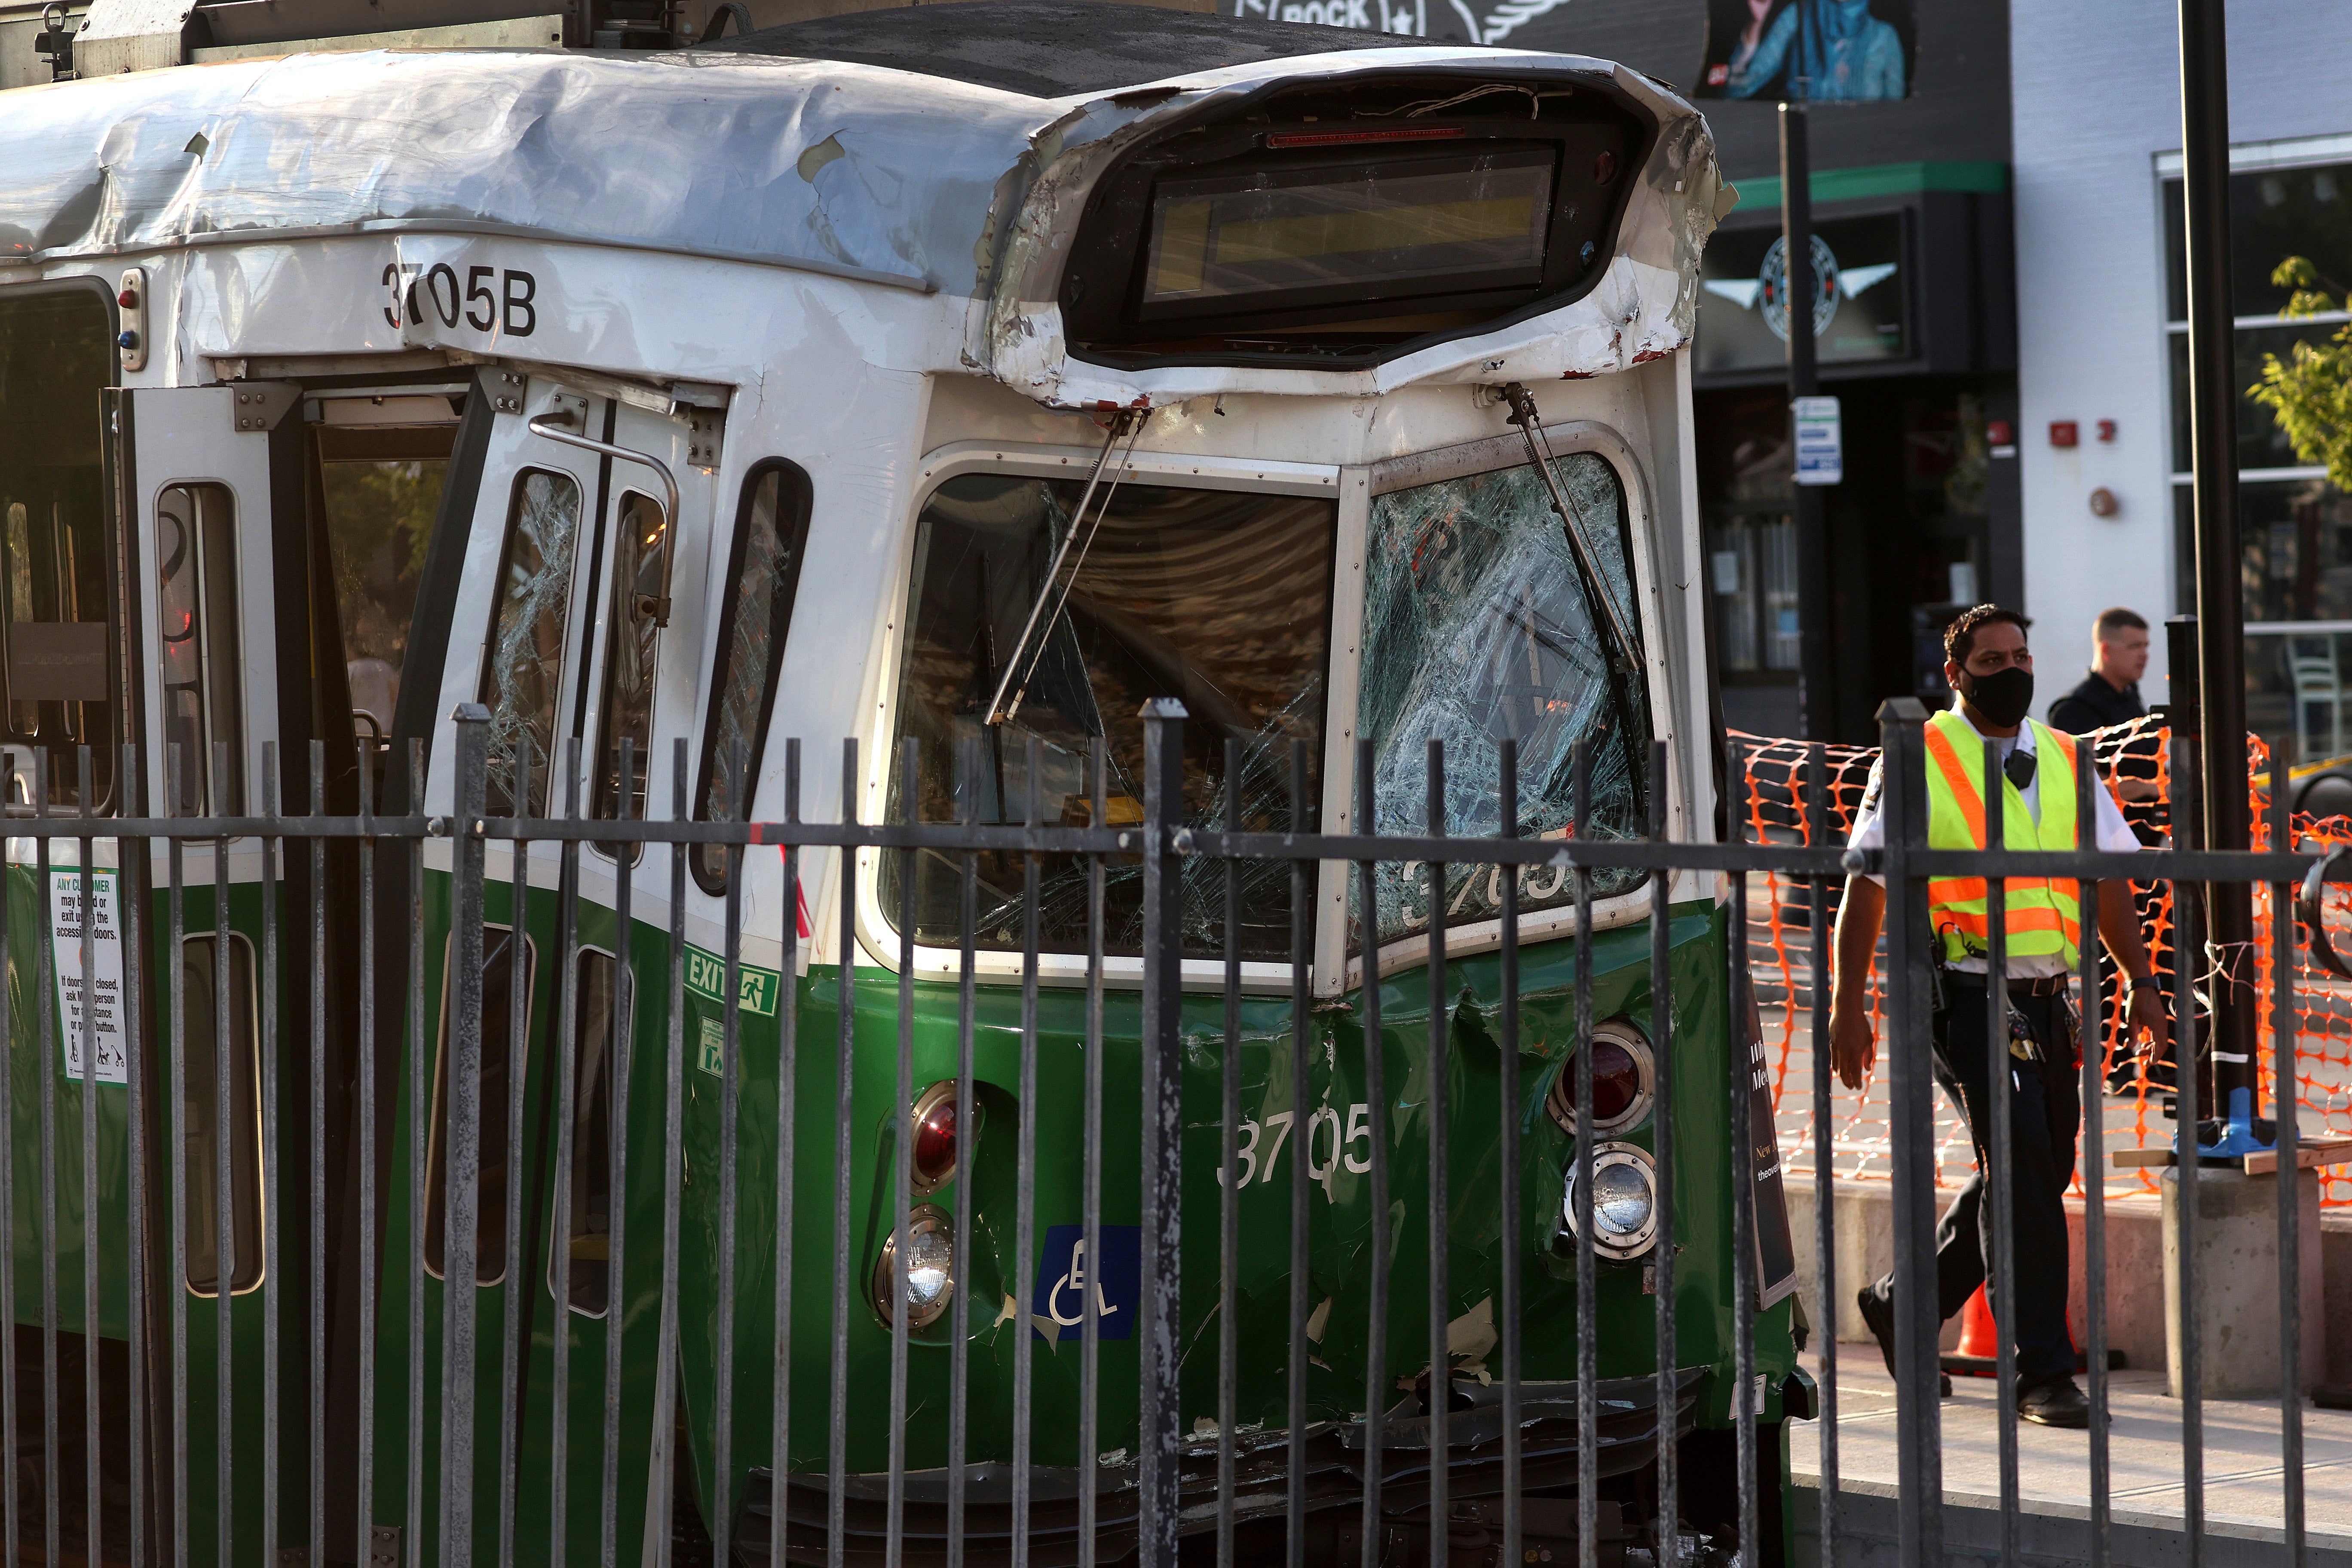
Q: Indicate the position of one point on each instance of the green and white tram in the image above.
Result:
(968, 376)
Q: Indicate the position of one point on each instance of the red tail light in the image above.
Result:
(1278, 140)
(1616, 1081)
(1624, 1075)
(937, 1136)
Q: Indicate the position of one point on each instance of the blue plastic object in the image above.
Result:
(2238, 1135)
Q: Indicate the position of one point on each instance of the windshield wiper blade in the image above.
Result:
(1128, 422)
(1597, 588)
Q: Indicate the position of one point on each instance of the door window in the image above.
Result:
(770, 535)
(496, 1084)
(56, 360)
(380, 484)
(523, 669)
(196, 599)
(199, 971)
(1221, 599)
(640, 548)
(1478, 627)
(576, 1274)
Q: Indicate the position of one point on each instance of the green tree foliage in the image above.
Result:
(380, 518)
(2310, 390)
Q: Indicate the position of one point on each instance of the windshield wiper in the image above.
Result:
(1596, 594)
(1128, 422)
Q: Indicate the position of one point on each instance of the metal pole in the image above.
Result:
(1919, 1419)
(2220, 609)
(1816, 656)
(1162, 1151)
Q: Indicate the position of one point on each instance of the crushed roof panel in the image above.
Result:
(1051, 49)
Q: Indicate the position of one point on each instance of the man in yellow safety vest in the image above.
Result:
(1990, 669)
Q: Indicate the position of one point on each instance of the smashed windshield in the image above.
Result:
(1478, 628)
(1219, 598)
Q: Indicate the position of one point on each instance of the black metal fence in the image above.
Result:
(107, 1412)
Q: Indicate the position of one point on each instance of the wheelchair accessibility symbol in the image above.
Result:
(1070, 1285)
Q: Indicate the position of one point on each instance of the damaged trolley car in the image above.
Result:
(519, 426)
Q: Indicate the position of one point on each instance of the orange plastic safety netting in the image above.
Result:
(2137, 757)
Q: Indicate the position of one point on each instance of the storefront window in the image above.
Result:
(2295, 528)
(1751, 577)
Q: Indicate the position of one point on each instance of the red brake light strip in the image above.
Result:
(1284, 139)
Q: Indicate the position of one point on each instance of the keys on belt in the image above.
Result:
(2023, 1045)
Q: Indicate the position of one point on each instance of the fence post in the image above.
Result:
(459, 1206)
(1911, 1119)
(1163, 975)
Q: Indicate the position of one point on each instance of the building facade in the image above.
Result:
(2104, 453)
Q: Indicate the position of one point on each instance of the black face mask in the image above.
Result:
(2002, 696)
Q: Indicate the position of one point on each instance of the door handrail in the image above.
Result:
(549, 425)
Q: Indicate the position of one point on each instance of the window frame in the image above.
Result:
(1651, 624)
(215, 797)
(2246, 160)
(435, 1195)
(544, 780)
(1335, 969)
(795, 478)
(242, 959)
(117, 526)
(559, 1255)
(877, 937)
(617, 618)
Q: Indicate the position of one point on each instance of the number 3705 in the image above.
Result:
(1337, 1150)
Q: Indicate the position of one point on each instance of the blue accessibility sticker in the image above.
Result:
(1070, 1285)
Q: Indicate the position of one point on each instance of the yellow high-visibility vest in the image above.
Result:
(2045, 913)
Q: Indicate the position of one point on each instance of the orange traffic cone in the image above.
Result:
(1979, 1335)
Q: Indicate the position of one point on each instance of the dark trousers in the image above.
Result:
(2045, 1110)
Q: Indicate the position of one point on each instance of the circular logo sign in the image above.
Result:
(1774, 278)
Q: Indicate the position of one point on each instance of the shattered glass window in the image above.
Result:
(1219, 598)
(641, 545)
(763, 578)
(1479, 628)
(525, 663)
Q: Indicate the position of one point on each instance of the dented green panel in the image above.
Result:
(1004, 1289)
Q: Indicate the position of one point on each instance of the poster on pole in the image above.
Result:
(1819, 51)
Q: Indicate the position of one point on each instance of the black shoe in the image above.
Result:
(2054, 1403)
(1879, 1315)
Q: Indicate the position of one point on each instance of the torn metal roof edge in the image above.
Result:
(1051, 48)
(926, 183)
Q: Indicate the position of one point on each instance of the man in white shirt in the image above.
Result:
(1990, 670)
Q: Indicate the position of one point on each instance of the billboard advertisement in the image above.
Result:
(1822, 51)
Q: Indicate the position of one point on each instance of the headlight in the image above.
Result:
(1624, 1080)
(1624, 1200)
(928, 1237)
